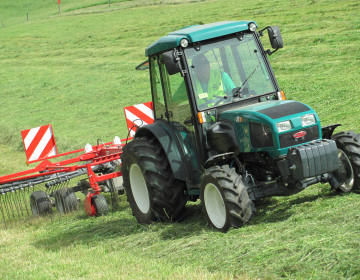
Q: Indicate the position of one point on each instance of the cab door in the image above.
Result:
(171, 106)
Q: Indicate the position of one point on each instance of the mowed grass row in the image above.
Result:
(76, 71)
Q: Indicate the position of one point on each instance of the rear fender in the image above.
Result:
(170, 145)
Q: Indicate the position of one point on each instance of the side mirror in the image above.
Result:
(143, 66)
(172, 64)
(275, 37)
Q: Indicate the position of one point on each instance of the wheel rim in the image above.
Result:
(139, 188)
(215, 205)
(349, 182)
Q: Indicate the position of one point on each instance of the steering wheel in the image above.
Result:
(219, 101)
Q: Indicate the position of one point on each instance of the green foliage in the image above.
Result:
(75, 70)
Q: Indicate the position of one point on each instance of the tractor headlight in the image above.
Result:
(184, 43)
(283, 126)
(308, 120)
(252, 27)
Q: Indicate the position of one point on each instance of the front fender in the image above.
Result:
(327, 131)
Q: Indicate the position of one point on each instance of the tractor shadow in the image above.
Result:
(80, 229)
(278, 209)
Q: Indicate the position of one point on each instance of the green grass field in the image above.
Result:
(76, 71)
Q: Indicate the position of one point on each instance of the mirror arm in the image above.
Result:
(261, 33)
(177, 58)
(269, 52)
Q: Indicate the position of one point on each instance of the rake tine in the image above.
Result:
(37, 208)
(25, 203)
(66, 183)
(17, 197)
(70, 190)
(50, 189)
(22, 203)
(14, 202)
(64, 205)
(30, 186)
(58, 186)
(2, 211)
(60, 202)
(10, 204)
(51, 213)
(7, 208)
(72, 205)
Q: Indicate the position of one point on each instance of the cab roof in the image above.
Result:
(197, 33)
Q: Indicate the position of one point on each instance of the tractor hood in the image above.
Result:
(273, 126)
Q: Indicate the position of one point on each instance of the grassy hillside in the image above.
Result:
(75, 70)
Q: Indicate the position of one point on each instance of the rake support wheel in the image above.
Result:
(40, 204)
(65, 201)
(152, 191)
(225, 199)
(101, 206)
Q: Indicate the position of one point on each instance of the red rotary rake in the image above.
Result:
(36, 191)
(46, 185)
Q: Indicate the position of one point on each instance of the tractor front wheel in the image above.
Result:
(151, 190)
(225, 199)
(348, 144)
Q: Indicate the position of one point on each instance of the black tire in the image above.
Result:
(101, 206)
(40, 204)
(65, 201)
(152, 191)
(225, 199)
(348, 144)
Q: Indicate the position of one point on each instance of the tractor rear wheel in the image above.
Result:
(225, 200)
(40, 204)
(151, 190)
(348, 144)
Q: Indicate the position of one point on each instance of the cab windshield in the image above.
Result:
(228, 71)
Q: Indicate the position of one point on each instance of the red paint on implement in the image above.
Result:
(89, 206)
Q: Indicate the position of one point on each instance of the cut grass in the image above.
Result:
(76, 71)
(309, 235)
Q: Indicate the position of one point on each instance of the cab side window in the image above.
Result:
(159, 102)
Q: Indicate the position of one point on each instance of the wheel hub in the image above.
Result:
(139, 188)
(215, 205)
(348, 184)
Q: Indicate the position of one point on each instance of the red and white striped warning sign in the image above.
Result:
(39, 142)
(139, 115)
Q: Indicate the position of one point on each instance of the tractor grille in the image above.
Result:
(287, 139)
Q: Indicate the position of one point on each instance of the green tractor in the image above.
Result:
(224, 131)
